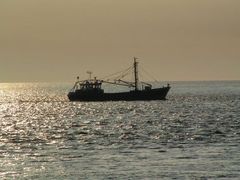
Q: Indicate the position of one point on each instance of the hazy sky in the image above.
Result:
(56, 40)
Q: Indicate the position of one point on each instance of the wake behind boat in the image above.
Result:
(91, 89)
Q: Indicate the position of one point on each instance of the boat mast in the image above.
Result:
(90, 74)
(135, 73)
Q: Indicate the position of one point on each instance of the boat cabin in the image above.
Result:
(88, 84)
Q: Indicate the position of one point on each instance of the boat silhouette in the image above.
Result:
(91, 89)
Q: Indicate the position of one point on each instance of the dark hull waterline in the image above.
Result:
(96, 95)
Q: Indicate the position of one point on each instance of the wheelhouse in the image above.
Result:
(88, 84)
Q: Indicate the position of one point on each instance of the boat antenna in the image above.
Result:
(135, 73)
(90, 74)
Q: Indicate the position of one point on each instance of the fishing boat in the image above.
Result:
(91, 89)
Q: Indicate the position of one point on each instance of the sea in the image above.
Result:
(194, 134)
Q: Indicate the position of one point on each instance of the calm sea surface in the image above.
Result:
(195, 134)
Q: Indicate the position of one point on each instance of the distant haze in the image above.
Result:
(57, 40)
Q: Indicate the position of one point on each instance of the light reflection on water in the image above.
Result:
(195, 134)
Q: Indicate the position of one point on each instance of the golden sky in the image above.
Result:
(56, 40)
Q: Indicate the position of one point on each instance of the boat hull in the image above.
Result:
(95, 95)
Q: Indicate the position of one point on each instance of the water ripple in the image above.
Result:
(43, 135)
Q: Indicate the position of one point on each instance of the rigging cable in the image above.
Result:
(151, 76)
(113, 74)
(123, 75)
